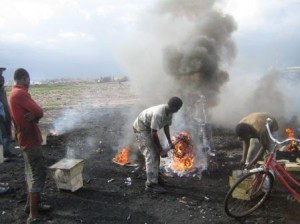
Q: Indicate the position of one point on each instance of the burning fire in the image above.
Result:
(122, 157)
(292, 147)
(183, 154)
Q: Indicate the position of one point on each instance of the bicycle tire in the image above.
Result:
(248, 194)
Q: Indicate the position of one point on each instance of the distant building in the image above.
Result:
(295, 70)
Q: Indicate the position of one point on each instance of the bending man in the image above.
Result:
(254, 135)
(145, 127)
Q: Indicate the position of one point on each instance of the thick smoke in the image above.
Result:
(274, 92)
(277, 93)
(185, 48)
(195, 64)
(269, 94)
(182, 49)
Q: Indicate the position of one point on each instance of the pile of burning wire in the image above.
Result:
(122, 158)
(183, 153)
(292, 147)
(181, 160)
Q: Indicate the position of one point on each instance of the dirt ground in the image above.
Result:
(115, 194)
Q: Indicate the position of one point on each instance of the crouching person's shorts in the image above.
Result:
(35, 169)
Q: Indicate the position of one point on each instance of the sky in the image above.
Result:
(83, 39)
(65, 38)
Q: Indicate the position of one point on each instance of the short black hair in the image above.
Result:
(175, 102)
(20, 73)
(2, 69)
(243, 130)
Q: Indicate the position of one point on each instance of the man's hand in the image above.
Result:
(171, 145)
(249, 166)
(242, 162)
(29, 117)
(163, 154)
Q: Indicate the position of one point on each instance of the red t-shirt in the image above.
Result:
(21, 103)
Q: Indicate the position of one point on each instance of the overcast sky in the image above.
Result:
(80, 38)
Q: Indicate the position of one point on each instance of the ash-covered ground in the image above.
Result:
(115, 194)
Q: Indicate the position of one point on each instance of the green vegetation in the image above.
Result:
(45, 89)
(52, 104)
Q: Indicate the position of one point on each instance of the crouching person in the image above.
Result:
(252, 131)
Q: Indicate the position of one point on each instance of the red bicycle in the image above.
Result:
(250, 192)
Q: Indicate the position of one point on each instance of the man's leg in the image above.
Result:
(35, 171)
(34, 198)
(152, 162)
(6, 147)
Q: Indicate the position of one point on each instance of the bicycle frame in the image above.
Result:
(257, 184)
(271, 164)
(283, 175)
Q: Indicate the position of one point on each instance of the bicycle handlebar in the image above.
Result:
(268, 123)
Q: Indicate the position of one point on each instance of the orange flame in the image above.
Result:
(122, 157)
(183, 154)
(292, 147)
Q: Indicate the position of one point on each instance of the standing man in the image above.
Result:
(26, 114)
(254, 135)
(5, 119)
(145, 128)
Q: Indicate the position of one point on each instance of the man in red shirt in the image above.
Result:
(26, 114)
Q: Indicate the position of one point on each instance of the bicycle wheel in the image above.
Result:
(248, 193)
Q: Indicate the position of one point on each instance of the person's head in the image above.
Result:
(243, 131)
(1, 70)
(174, 103)
(2, 80)
(22, 77)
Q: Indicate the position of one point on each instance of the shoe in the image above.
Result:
(4, 189)
(34, 221)
(42, 208)
(6, 159)
(155, 188)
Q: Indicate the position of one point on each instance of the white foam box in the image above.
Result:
(67, 174)
(292, 166)
(241, 191)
